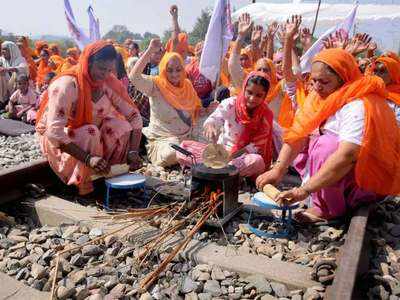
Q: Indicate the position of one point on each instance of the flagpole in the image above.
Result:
(316, 17)
(217, 81)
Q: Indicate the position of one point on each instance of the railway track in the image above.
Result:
(352, 262)
(13, 180)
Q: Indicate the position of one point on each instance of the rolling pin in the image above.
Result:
(270, 191)
(115, 170)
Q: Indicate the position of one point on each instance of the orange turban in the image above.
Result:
(378, 164)
(182, 97)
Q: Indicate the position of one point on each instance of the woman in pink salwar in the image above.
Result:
(351, 137)
(247, 128)
(87, 122)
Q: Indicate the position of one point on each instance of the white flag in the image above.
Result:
(94, 25)
(76, 32)
(345, 26)
(219, 34)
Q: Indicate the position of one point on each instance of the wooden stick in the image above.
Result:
(53, 286)
(316, 18)
(149, 247)
(148, 281)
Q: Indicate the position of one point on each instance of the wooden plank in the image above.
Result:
(352, 258)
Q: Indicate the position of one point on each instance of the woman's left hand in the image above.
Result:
(294, 195)
(135, 161)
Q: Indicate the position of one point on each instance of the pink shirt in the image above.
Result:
(29, 99)
(224, 117)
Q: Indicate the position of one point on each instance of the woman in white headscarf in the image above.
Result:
(12, 63)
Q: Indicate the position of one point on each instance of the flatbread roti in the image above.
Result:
(215, 156)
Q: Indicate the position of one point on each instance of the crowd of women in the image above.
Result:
(336, 126)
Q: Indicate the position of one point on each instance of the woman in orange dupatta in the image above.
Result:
(71, 59)
(356, 154)
(56, 58)
(39, 46)
(27, 53)
(388, 68)
(174, 104)
(87, 122)
(45, 67)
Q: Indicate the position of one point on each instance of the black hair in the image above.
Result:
(49, 76)
(106, 53)
(121, 71)
(135, 45)
(45, 50)
(222, 93)
(259, 80)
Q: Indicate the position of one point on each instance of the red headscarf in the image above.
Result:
(85, 87)
(257, 127)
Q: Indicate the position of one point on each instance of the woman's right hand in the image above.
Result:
(155, 45)
(99, 164)
(245, 25)
(211, 132)
(273, 176)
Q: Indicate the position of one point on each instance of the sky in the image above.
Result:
(41, 17)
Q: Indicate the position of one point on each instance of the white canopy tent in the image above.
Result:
(382, 22)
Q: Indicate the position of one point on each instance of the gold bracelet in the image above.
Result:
(306, 190)
(274, 164)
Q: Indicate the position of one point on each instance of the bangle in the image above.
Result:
(87, 159)
(306, 190)
(274, 164)
(133, 152)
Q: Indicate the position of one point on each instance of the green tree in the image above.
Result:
(200, 27)
(120, 33)
(166, 36)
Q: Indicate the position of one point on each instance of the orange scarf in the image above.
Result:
(378, 165)
(85, 87)
(287, 111)
(258, 127)
(393, 67)
(27, 53)
(69, 62)
(182, 47)
(183, 97)
(42, 70)
(39, 45)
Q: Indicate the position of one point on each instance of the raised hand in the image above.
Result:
(174, 11)
(281, 33)
(359, 43)
(271, 30)
(155, 45)
(245, 25)
(256, 34)
(306, 38)
(292, 26)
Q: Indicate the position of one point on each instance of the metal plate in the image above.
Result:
(203, 172)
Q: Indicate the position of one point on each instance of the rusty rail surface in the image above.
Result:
(353, 260)
(13, 180)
